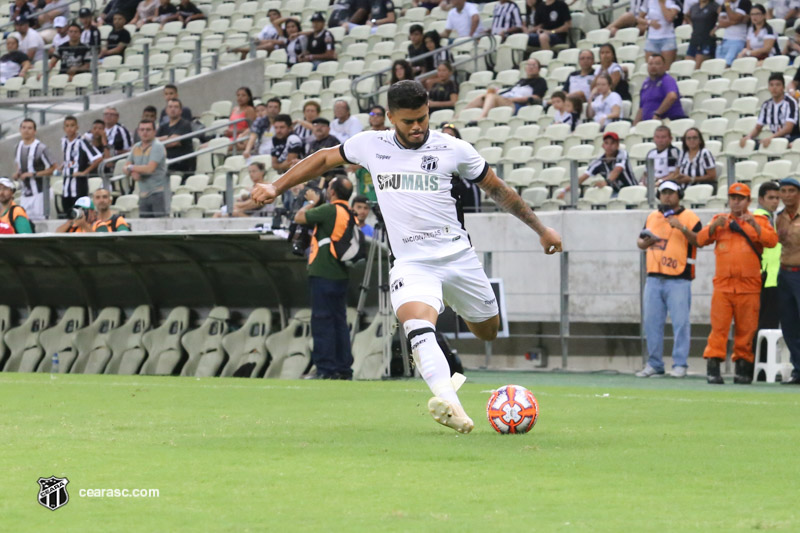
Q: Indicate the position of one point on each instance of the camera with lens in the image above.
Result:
(300, 236)
(76, 213)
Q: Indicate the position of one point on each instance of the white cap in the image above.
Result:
(5, 182)
(60, 22)
(84, 202)
(671, 185)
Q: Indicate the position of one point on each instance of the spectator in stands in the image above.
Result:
(328, 279)
(696, 164)
(321, 44)
(733, 18)
(464, 19)
(90, 35)
(401, 70)
(304, 128)
(80, 160)
(287, 148)
(527, 91)
(702, 15)
(381, 12)
(13, 218)
(347, 13)
(127, 8)
(188, 12)
(558, 100)
(30, 42)
(579, 82)
(244, 206)
(787, 10)
(344, 125)
(61, 36)
(177, 126)
(779, 114)
(20, 8)
(769, 310)
(429, 4)
(13, 63)
(119, 138)
(658, 17)
(788, 226)
(75, 56)
(106, 221)
(761, 40)
(659, 98)
(146, 164)
(146, 11)
(118, 39)
(506, 19)
(466, 193)
(417, 47)
(606, 105)
(296, 41)
(148, 113)
(33, 162)
(671, 258)
(665, 157)
(629, 19)
(740, 238)
(443, 92)
(324, 139)
(614, 166)
(166, 12)
(81, 217)
(551, 24)
(270, 37)
(245, 109)
(97, 138)
(262, 130)
(50, 11)
(377, 118)
(433, 43)
(171, 93)
(608, 65)
(361, 211)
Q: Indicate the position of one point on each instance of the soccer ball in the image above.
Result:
(512, 409)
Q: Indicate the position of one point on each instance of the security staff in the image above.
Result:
(740, 238)
(769, 315)
(13, 218)
(788, 225)
(670, 240)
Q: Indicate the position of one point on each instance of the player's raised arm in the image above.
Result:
(311, 167)
(509, 201)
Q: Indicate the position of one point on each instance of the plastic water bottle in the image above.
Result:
(54, 367)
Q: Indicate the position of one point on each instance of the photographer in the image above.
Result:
(328, 278)
(670, 241)
(80, 217)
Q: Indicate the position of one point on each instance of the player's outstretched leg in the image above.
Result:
(445, 406)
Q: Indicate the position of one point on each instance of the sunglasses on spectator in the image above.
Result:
(375, 114)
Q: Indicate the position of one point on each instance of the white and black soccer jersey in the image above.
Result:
(697, 166)
(281, 148)
(565, 117)
(505, 16)
(577, 81)
(414, 189)
(664, 162)
(119, 138)
(603, 167)
(321, 42)
(295, 48)
(756, 39)
(78, 156)
(90, 36)
(380, 9)
(775, 115)
(33, 157)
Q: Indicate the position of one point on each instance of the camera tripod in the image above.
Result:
(378, 247)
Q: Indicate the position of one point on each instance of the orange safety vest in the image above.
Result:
(17, 211)
(340, 226)
(672, 256)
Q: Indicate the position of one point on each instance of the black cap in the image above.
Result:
(85, 12)
(321, 120)
(319, 16)
(22, 19)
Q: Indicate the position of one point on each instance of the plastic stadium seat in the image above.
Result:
(520, 177)
(681, 70)
(23, 341)
(180, 203)
(595, 197)
(698, 195)
(629, 197)
(745, 170)
(620, 127)
(163, 344)
(515, 158)
(204, 345)
(194, 185)
(542, 56)
(535, 196)
(289, 348)
(60, 339)
(126, 345)
(526, 116)
(368, 360)
(206, 205)
(584, 133)
(491, 154)
(93, 352)
(678, 127)
(12, 87)
(638, 152)
(441, 115)
(494, 136)
(714, 128)
(471, 134)
(245, 347)
(549, 177)
(523, 136)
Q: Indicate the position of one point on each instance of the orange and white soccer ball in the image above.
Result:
(512, 409)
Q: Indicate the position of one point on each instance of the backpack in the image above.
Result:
(349, 249)
(11, 219)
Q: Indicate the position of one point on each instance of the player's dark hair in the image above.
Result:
(342, 187)
(286, 119)
(777, 76)
(407, 94)
(766, 187)
(360, 199)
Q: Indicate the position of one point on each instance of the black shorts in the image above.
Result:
(555, 39)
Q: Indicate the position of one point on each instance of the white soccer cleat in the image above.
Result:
(452, 416)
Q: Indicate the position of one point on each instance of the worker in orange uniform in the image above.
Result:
(740, 237)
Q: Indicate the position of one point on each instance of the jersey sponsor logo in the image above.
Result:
(381, 156)
(429, 163)
(426, 235)
(408, 182)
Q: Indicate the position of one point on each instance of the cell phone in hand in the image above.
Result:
(647, 234)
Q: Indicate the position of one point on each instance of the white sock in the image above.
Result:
(431, 360)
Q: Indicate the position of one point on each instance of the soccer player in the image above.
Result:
(413, 168)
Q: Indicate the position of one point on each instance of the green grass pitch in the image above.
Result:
(609, 453)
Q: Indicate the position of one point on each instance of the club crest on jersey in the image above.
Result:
(429, 163)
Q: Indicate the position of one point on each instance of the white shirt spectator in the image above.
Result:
(58, 40)
(780, 8)
(269, 33)
(652, 11)
(32, 39)
(602, 106)
(756, 39)
(578, 82)
(664, 162)
(345, 130)
(737, 32)
(461, 23)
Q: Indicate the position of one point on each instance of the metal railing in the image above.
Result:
(371, 97)
(605, 13)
